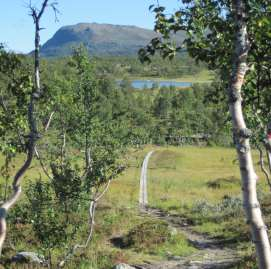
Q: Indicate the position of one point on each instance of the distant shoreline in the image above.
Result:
(155, 79)
(202, 77)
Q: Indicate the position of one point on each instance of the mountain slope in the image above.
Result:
(100, 39)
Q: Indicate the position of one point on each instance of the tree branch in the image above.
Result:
(41, 163)
(72, 251)
(266, 173)
(33, 132)
(49, 121)
(92, 209)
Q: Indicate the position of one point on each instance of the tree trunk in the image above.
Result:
(241, 139)
(33, 132)
(268, 145)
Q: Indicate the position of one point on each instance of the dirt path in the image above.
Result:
(211, 253)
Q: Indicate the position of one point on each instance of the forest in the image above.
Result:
(75, 133)
(183, 65)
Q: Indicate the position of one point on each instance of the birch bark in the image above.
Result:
(33, 132)
(241, 139)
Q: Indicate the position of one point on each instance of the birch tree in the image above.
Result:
(222, 34)
(33, 135)
(242, 134)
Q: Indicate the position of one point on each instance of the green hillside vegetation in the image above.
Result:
(182, 68)
(202, 76)
(171, 112)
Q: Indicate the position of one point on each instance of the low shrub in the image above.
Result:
(220, 183)
(147, 235)
(228, 207)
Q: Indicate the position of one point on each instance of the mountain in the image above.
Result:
(100, 39)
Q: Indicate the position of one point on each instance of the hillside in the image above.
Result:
(100, 39)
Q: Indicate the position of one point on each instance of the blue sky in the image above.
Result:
(16, 29)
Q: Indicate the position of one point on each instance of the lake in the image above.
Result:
(143, 84)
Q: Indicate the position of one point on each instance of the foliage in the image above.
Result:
(147, 234)
(143, 117)
(228, 207)
(16, 85)
(83, 120)
(74, 179)
(120, 67)
(210, 38)
(49, 226)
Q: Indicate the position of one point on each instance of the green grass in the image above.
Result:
(178, 177)
(181, 180)
(201, 77)
(177, 245)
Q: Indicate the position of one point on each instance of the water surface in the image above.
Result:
(143, 84)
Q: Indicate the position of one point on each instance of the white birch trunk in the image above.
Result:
(33, 133)
(241, 138)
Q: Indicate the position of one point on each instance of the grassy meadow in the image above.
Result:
(201, 184)
(201, 77)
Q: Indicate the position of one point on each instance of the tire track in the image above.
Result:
(143, 193)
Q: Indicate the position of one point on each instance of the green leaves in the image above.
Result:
(9, 61)
(50, 226)
(210, 38)
(67, 185)
(14, 97)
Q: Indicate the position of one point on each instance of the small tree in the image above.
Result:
(96, 133)
(80, 162)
